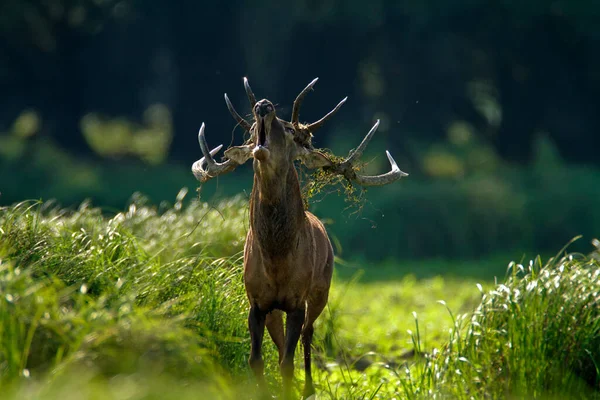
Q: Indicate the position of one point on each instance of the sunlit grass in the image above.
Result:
(535, 335)
(149, 303)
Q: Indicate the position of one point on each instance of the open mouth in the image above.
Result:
(262, 133)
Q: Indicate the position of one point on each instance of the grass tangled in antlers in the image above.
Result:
(323, 181)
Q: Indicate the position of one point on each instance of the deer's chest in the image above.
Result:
(279, 281)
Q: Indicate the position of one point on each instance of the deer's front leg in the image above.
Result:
(256, 325)
(294, 323)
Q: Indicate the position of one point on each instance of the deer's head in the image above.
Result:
(274, 144)
(273, 137)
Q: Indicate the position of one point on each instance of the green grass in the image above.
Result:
(149, 304)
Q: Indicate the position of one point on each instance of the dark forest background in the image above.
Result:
(491, 106)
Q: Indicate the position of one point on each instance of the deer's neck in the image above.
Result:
(276, 211)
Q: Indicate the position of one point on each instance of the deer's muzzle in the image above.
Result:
(263, 108)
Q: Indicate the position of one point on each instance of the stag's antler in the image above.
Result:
(241, 121)
(346, 168)
(207, 168)
(249, 93)
(298, 102)
(251, 98)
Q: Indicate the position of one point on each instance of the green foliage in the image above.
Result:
(512, 210)
(485, 211)
(120, 137)
(42, 169)
(548, 314)
(149, 303)
(535, 335)
(81, 289)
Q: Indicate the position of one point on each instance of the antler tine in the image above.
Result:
(204, 147)
(241, 121)
(299, 99)
(316, 125)
(356, 153)
(251, 97)
(213, 168)
(383, 179)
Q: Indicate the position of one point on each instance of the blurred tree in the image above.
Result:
(43, 56)
(509, 69)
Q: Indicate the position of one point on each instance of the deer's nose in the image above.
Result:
(263, 108)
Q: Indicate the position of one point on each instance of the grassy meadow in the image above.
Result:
(149, 303)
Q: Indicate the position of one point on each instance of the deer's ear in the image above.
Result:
(314, 159)
(239, 154)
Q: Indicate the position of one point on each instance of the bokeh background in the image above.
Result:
(491, 106)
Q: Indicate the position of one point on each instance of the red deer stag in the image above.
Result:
(288, 258)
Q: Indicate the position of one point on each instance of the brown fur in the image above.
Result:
(288, 259)
(287, 253)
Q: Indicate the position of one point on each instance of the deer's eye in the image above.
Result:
(289, 129)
